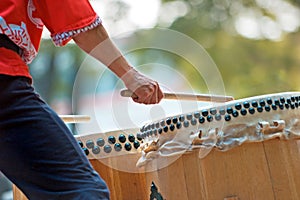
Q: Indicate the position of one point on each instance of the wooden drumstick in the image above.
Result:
(75, 118)
(183, 96)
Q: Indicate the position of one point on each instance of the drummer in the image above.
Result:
(38, 153)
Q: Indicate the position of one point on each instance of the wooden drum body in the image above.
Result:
(258, 171)
(243, 149)
(260, 158)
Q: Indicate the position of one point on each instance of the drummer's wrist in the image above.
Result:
(129, 77)
(120, 67)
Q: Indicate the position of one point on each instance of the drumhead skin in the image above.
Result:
(223, 127)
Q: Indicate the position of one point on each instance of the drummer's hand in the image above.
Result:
(146, 91)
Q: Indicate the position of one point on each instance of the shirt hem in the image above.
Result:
(60, 39)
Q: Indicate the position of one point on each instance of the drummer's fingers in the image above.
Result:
(156, 95)
(151, 97)
(148, 94)
(142, 94)
(160, 94)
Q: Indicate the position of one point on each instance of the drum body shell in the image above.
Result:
(255, 151)
(264, 170)
(123, 184)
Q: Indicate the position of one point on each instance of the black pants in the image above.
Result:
(38, 153)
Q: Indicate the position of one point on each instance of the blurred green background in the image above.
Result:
(254, 44)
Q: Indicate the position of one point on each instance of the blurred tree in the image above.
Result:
(54, 71)
(255, 44)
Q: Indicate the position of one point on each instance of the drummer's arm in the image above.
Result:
(97, 43)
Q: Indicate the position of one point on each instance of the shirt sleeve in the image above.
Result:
(67, 18)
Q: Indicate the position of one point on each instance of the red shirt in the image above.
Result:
(23, 20)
